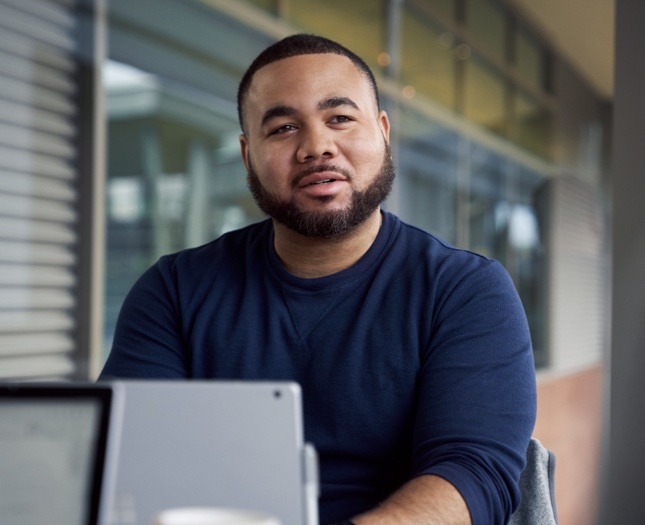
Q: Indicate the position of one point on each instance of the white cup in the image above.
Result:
(212, 516)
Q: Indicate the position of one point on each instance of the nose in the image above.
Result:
(316, 142)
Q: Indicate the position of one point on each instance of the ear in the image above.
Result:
(244, 147)
(384, 124)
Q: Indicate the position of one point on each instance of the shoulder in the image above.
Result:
(443, 277)
(432, 254)
(229, 248)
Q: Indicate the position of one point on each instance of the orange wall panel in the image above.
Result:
(569, 420)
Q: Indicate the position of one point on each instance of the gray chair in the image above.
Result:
(537, 506)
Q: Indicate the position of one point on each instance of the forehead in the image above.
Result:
(307, 79)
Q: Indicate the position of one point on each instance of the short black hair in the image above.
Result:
(294, 45)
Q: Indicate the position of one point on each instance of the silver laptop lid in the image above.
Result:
(213, 443)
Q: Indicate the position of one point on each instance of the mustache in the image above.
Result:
(319, 169)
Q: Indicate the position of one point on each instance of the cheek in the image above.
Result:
(271, 167)
(367, 155)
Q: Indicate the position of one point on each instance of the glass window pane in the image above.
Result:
(174, 177)
(359, 25)
(533, 123)
(447, 7)
(488, 209)
(529, 60)
(527, 254)
(428, 175)
(427, 62)
(486, 20)
(484, 97)
(268, 5)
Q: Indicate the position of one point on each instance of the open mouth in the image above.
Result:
(326, 181)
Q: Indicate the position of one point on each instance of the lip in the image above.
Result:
(323, 178)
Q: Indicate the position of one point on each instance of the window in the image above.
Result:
(529, 59)
(175, 178)
(533, 122)
(358, 25)
(485, 97)
(428, 168)
(486, 21)
(427, 62)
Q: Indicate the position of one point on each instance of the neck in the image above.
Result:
(311, 257)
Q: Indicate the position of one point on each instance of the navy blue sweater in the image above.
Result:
(415, 360)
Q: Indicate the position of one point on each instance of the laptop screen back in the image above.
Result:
(218, 443)
(52, 448)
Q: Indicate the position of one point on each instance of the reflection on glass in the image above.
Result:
(486, 20)
(533, 122)
(447, 7)
(427, 62)
(175, 177)
(529, 59)
(358, 25)
(428, 170)
(504, 225)
(528, 257)
(488, 206)
(268, 5)
(484, 100)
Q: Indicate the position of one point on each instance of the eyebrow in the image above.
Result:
(277, 111)
(282, 110)
(334, 102)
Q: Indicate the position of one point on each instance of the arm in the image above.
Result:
(477, 393)
(424, 500)
(475, 405)
(147, 340)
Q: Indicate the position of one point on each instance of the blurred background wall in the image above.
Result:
(119, 143)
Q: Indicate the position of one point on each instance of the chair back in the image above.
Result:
(537, 506)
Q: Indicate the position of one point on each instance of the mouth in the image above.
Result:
(324, 183)
(320, 177)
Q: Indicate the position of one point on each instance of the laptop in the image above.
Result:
(54, 439)
(233, 444)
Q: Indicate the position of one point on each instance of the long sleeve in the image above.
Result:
(477, 399)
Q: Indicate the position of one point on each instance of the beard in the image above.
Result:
(326, 224)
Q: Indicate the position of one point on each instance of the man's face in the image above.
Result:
(316, 147)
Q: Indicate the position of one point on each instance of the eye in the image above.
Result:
(282, 129)
(340, 119)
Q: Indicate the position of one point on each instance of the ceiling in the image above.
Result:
(580, 30)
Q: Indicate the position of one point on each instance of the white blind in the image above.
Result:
(39, 189)
(577, 274)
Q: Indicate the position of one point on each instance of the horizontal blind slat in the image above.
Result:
(38, 119)
(26, 275)
(45, 143)
(19, 45)
(32, 298)
(35, 343)
(36, 231)
(22, 92)
(37, 28)
(40, 321)
(35, 208)
(36, 185)
(48, 11)
(36, 253)
(30, 162)
(32, 367)
(27, 70)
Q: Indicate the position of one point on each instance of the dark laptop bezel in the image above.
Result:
(52, 392)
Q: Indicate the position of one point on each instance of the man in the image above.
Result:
(414, 357)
